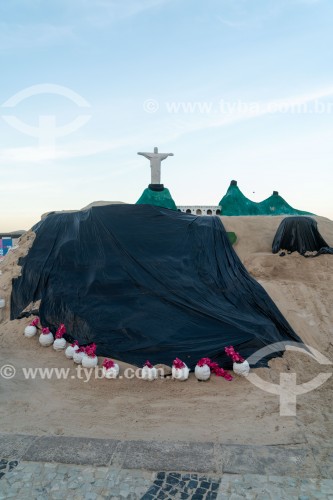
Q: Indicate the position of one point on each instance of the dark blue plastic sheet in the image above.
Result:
(299, 234)
(146, 282)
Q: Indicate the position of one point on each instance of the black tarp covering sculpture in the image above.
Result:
(144, 282)
(299, 234)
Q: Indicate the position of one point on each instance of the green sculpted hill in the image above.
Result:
(159, 198)
(235, 203)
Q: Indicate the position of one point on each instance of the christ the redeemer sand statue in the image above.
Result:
(155, 164)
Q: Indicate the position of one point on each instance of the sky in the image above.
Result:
(236, 89)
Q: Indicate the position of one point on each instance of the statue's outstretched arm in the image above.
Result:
(166, 155)
(147, 155)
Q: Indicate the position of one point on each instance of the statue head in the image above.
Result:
(155, 150)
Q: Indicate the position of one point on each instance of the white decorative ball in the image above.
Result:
(30, 331)
(202, 372)
(89, 361)
(242, 369)
(149, 373)
(59, 344)
(112, 372)
(180, 374)
(78, 356)
(46, 339)
(70, 351)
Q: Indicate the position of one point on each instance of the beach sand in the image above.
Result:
(219, 411)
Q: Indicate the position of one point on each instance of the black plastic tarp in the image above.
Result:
(299, 234)
(146, 282)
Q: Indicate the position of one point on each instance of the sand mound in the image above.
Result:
(169, 410)
(302, 288)
(10, 268)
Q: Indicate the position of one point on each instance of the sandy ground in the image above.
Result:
(220, 411)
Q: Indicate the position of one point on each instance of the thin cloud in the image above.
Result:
(134, 8)
(33, 186)
(309, 2)
(130, 6)
(40, 154)
(238, 111)
(104, 12)
(232, 24)
(171, 127)
(18, 36)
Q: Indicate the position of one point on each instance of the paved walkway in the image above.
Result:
(78, 468)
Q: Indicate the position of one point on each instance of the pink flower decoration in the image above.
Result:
(81, 349)
(34, 322)
(178, 363)
(45, 331)
(213, 366)
(60, 332)
(108, 363)
(219, 372)
(75, 343)
(204, 361)
(235, 356)
(91, 350)
(148, 364)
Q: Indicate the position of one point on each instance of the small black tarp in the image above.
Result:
(299, 234)
(146, 282)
